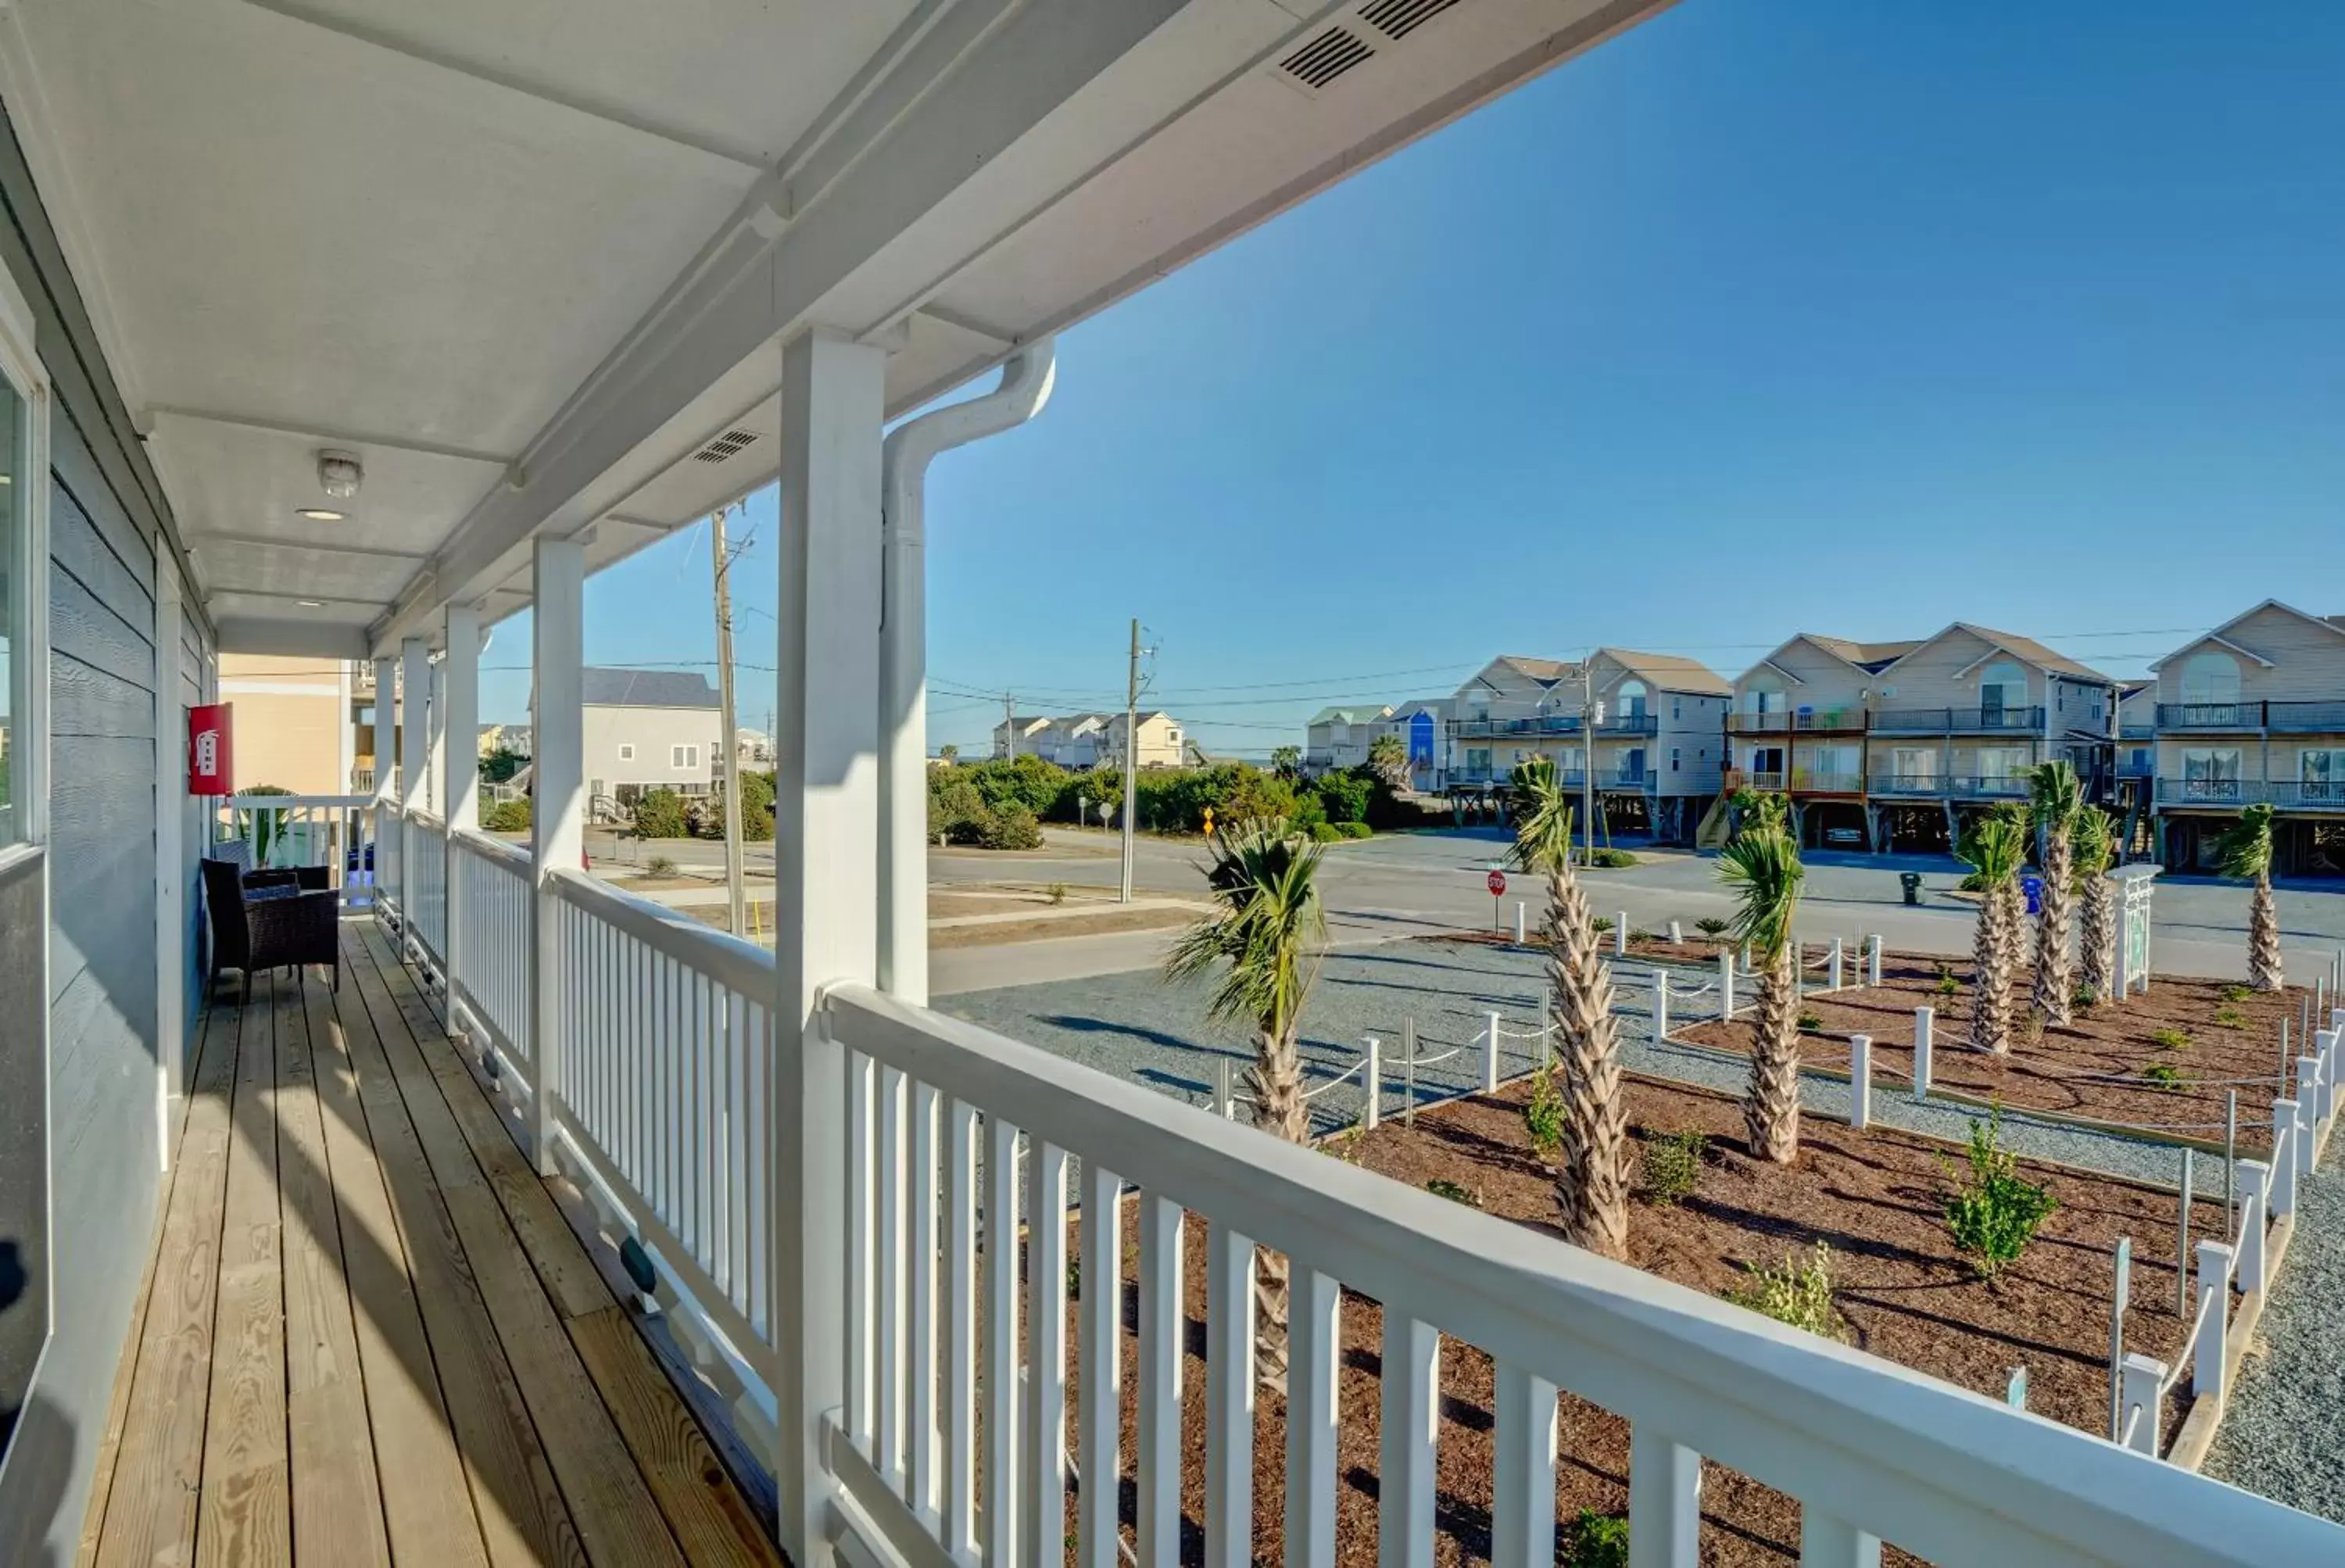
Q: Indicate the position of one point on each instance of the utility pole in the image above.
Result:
(1131, 758)
(729, 756)
(1010, 721)
(1588, 762)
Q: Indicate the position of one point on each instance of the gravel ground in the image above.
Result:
(2284, 1435)
(1133, 1024)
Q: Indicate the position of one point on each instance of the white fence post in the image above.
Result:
(460, 786)
(1490, 1057)
(1676, 931)
(1924, 1020)
(1619, 933)
(1372, 1076)
(1872, 958)
(2308, 1097)
(1860, 1080)
(2138, 1390)
(1660, 1004)
(2256, 1181)
(1835, 964)
(1224, 1105)
(2213, 1300)
(1519, 922)
(2283, 1184)
(2325, 1046)
(1726, 984)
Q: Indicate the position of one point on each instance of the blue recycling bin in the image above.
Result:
(2032, 886)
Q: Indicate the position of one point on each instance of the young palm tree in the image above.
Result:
(2055, 799)
(1763, 866)
(2246, 850)
(2095, 846)
(1996, 847)
(1388, 760)
(1593, 1187)
(1270, 929)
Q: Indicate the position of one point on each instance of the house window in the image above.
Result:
(2002, 764)
(2003, 693)
(627, 753)
(1633, 699)
(1914, 764)
(683, 757)
(1673, 758)
(2210, 679)
(2322, 774)
(2210, 773)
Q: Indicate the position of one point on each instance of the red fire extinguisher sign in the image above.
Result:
(211, 756)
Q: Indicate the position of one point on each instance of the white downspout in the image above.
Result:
(1025, 387)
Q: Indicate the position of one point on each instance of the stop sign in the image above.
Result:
(1497, 881)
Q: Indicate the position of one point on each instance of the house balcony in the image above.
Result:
(2316, 797)
(1957, 720)
(1515, 729)
(1805, 721)
(2137, 766)
(1631, 724)
(1991, 787)
(1627, 782)
(1826, 781)
(2251, 718)
(1907, 785)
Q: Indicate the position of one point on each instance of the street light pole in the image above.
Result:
(1131, 760)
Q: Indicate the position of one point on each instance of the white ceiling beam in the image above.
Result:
(609, 114)
(788, 253)
(308, 546)
(328, 437)
(290, 638)
(967, 323)
(222, 590)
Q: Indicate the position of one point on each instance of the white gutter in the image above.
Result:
(1025, 387)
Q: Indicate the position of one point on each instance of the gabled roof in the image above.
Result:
(2026, 649)
(1546, 671)
(1438, 706)
(1350, 715)
(1865, 659)
(2332, 623)
(646, 688)
(1669, 672)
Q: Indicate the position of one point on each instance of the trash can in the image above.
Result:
(1911, 882)
(2032, 886)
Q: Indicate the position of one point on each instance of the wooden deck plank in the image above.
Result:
(610, 1501)
(117, 1407)
(151, 1505)
(337, 1500)
(427, 1503)
(521, 1512)
(245, 1517)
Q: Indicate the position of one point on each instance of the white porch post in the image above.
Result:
(435, 755)
(414, 743)
(170, 852)
(386, 749)
(459, 775)
(826, 888)
(557, 814)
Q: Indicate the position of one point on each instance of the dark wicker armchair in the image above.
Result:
(270, 920)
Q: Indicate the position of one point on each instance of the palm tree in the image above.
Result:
(1763, 866)
(1286, 761)
(1592, 1187)
(1388, 760)
(1270, 930)
(2054, 798)
(2096, 844)
(2246, 850)
(1995, 846)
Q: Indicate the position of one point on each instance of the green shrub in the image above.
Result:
(2236, 993)
(1011, 828)
(2085, 999)
(2169, 1039)
(1354, 830)
(1344, 795)
(1323, 833)
(1948, 985)
(1601, 925)
(1611, 860)
(1797, 1293)
(1598, 1541)
(1440, 1187)
(1057, 892)
(2163, 1076)
(1810, 1022)
(506, 817)
(1638, 933)
(1710, 925)
(957, 813)
(659, 814)
(708, 814)
(659, 866)
(1994, 1213)
(1673, 1165)
(1543, 1116)
(2231, 1018)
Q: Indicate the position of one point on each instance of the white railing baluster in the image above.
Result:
(1664, 1501)
(1102, 1357)
(892, 1253)
(862, 1215)
(1412, 1376)
(1315, 1342)
(920, 1456)
(1044, 1527)
(1229, 1399)
(1161, 1326)
(960, 1328)
(1522, 1518)
(1827, 1540)
(1002, 1380)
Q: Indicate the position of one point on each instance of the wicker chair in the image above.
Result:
(275, 930)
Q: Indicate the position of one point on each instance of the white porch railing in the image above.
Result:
(423, 884)
(336, 832)
(489, 977)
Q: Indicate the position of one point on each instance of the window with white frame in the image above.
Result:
(2210, 773)
(626, 752)
(683, 757)
(23, 579)
(2322, 774)
(2210, 679)
(1914, 764)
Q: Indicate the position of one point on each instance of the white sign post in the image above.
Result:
(2135, 887)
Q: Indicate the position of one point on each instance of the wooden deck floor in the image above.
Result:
(371, 1336)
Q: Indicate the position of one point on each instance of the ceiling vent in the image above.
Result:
(731, 443)
(1397, 19)
(1326, 57)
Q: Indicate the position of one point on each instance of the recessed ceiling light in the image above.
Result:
(311, 603)
(320, 513)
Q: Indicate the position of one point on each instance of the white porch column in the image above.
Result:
(435, 752)
(386, 749)
(557, 812)
(171, 905)
(826, 888)
(459, 768)
(414, 743)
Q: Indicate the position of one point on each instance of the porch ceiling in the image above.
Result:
(526, 257)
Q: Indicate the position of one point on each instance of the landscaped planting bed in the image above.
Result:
(2202, 1037)
(1874, 1197)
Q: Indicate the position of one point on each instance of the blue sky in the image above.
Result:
(1836, 316)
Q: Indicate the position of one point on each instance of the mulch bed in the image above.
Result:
(1696, 949)
(2219, 1035)
(1872, 1196)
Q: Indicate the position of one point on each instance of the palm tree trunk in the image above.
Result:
(1771, 1109)
(2098, 939)
(1991, 957)
(2055, 997)
(1276, 1080)
(2265, 970)
(1592, 1187)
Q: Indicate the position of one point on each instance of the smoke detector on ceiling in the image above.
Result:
(340, 473)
